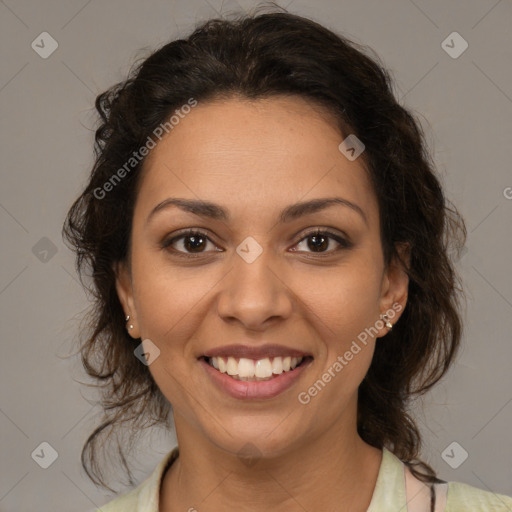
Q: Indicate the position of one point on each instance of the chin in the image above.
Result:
(255, 438)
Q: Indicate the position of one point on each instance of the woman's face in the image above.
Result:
(256, 277)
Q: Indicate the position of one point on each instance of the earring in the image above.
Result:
(128, 318)
(389, 325)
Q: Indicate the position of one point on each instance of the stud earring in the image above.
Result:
(389, 325)
(128, 318)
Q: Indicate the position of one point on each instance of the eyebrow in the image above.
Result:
(214, 211)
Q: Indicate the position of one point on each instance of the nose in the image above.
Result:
(254, 294)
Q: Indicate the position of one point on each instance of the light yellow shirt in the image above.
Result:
(389, 494)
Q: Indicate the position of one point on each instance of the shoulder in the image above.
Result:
(145, 497)
(126, 503)
(451, 496)
(462, 497)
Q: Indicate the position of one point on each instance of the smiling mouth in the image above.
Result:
(253, 370)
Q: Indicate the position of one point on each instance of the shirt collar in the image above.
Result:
(149, 491)
(388, 495)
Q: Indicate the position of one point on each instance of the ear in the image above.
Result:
(124, 290)
(395, 286)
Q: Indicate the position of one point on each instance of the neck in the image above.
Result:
(336, 471)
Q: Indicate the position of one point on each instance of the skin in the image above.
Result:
(255, 158)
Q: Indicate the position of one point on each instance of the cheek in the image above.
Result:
(344, 299)
(169, 312)
(168, 302)
(342, 306)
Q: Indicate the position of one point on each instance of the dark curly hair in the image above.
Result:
(259, 56)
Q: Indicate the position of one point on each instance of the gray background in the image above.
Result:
(46, 108)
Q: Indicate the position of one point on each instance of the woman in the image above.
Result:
(270, 246)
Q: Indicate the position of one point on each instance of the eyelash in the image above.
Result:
(344, 244)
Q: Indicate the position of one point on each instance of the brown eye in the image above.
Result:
(319, 241)
(190, 242)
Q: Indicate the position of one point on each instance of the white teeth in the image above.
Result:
(245, 367)
(232, 367)
(277, 365)
(249, 369)
(262, 368)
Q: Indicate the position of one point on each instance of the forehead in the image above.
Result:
(254, 153)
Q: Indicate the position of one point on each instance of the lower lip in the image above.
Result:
(255, 389)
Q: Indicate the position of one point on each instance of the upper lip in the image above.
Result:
(252, 352)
